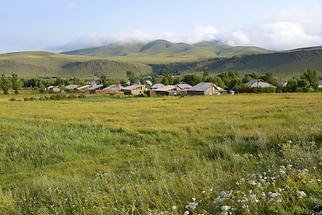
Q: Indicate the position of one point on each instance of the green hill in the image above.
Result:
(282, 64)
(162, 51)
(45, 64)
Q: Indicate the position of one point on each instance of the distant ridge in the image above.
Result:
(163, 49)
(161, 56)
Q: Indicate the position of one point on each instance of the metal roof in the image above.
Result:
(157, 86)
(203, 86)
(114, 87)
(258, 83)
(184, 86)
(133, 87)
(95, 87)
(167, 88)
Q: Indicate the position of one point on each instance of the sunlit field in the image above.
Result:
(238, 154)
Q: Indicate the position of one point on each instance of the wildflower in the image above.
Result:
(244, 206)
(273, 195)
(193, 199)
(186, 213)
(303, 171)
(253, 198)
(225, 208)
(217, 200)
(252, 182)
(192, 205)
(174, 207)
(301, 194)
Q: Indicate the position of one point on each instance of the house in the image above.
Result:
(183, 86)
(169, 90)
(71, 87)
(258, 83)
(53, 89)
(204, 88)
(148, 84)
(93, 88)
(320, 84)
(156, 86)
(83, 88)
(113, 89)
(135, 89)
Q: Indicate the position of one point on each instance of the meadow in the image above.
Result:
(234, 154)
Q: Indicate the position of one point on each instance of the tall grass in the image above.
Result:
(152, 156)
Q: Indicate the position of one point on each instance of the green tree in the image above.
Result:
(5, 84)
(42, 88)
(191, 79)
(132, 77)
(16, 84)
(167, 79)
(312, 77)
(205, 74)
(269, 78)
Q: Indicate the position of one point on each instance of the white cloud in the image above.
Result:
(288, 29)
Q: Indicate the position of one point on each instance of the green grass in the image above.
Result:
(106, 155)
(45, 64)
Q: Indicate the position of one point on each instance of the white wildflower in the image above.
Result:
(186, 213)
(174, 207)
(252, 182)
(253, 198)
(225, 208)
(301, 194)
(192, 205)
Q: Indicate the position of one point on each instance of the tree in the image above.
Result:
(205, 74)
(5, 84)
(191, 79)
(132, 77)
(16, 84)
(216, 80)
(312, 77)
(167, 79)
(269, 78)
(42, 88)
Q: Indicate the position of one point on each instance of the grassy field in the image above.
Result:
(45, 64)
(241, 154)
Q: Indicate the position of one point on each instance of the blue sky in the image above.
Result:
(69, 24)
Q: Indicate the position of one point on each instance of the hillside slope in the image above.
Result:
(282, 64)
(162, 51)
(45, 64)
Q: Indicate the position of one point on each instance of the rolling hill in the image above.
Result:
(46, 64)
(162, 51)
(282, 64)
(161, 56)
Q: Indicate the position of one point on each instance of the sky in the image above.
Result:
(61, 25)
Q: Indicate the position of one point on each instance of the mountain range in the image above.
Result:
(161, 56)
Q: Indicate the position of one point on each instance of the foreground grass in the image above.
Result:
(153, 155)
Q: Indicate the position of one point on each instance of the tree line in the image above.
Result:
(307, 82)
(10, 82)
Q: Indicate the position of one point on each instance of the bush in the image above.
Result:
(82, 96)
(13, 99)
(71, 97)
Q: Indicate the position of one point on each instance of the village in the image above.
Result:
(158, 89)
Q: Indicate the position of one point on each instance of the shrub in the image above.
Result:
(13, 99)
(71, 97)
(82, 96)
